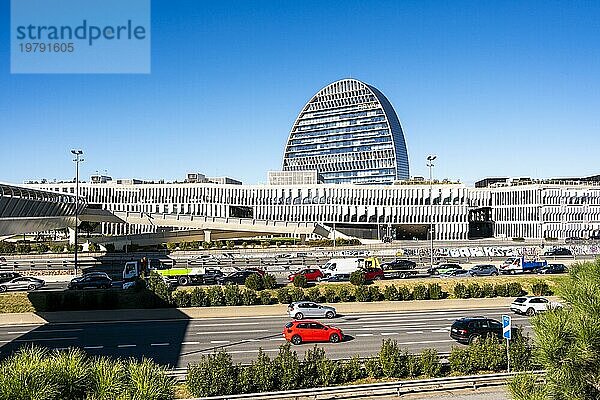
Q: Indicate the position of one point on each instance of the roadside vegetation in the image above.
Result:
(566, 342)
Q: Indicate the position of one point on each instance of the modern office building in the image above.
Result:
(349, 133)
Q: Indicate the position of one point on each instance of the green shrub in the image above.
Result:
(404, 293)
(345, 294)
(357, 278)
(488, 290)
(266, 298)
(460, 291)
(249, 297)
(413, 365)
(459, 361)
(198, 298)
(297, 294)
(373, 368)
(254, 282)
(182, 298)
(93, 247)
(501, 290)
(487, 354)
(60, 248)
(330, 296)
(71, 371)
(374, 293)
(263, 374)
(527, 387)
(25, 375)
(283, 296)
(157, 285)
(540, 288)
(353, 370)
(215, 296)
(314, 294)
(520, 350)
(420, 292)
(108, 379)
(233, 295)
(288, 365)
(149, 381)
(390, 293)
(431, 366)
(214, 375)
(300, 281)
(392, 360)
(362, 294)
(435, 291)
(269, 281)
(475, 291)
(514, 289)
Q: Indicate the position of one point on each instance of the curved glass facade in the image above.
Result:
(349, 133)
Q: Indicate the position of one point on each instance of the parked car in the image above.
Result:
(373, 274)
(97, 273)
(259, 271)
(457, 273)
(90, 281)
(212, 276)
(552, 269)
(311, 274)
(22, 283)
(558, 251)
(339, 278)
(484, 270)
(298, 332)
(236, 278)
(531, 305)
(471, 329)
(301, 309)
(443, 268)
(8, 276)
(399, 269)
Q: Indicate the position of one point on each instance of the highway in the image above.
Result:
(180, 340)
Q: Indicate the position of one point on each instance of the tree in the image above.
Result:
(357, 278)
(566, 342)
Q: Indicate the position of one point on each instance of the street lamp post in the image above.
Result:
(430, 159)
(77, 160)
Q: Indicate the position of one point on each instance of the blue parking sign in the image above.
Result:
(506, 327)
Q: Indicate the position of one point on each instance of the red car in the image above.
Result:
(311, 331)
(373, 274)
(311, 274)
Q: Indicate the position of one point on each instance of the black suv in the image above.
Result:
(237, 278)
(558, 251)
(484, 270)
(8, 276)
(90, 281)
(212, 276)
(470, 329)
(552, 269)
(398, 268)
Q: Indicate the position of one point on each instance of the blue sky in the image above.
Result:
(493, 88)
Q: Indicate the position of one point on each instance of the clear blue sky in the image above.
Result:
(493, 88)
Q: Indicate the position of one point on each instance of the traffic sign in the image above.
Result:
(506, 327)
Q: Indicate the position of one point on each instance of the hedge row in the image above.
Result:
(217, 375)
(40, 374)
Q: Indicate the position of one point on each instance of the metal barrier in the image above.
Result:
(397, 388)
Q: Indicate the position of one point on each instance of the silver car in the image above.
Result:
(304, 309)
(22, 283)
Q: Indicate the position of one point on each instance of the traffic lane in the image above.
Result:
(180, 342)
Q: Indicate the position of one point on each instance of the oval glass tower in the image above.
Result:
(349, 133)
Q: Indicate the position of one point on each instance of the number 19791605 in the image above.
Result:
(38, 47)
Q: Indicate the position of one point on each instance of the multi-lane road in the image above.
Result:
(179, 340)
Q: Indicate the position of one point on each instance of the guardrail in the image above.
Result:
(397, 388)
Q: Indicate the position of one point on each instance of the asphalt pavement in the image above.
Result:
(180, 340)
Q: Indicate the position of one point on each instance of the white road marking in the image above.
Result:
(186, 343)
(237, 323)
(37, 340)
(93, 347)
(121, 346)
(426, 342)
(159, 344)
(228, 332)
(17, 333)
(279, 338)
(388, 333)
(364, 334)
(413, 332)
(219, 341)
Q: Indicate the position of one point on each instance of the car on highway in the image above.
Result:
(8, 276)
(259, 271)
(97, 273)
(399, 268)
(90, 281)
(373, 274)
(558, 251)
(469, 330)
(212, 276)
(302, 309)
(236, 278)
(484, 270)
(457, 273)
(339, 278)
(311, 274)
(443, 268)
(552, 269)
(301, 331)
(22, 283)
(531, 305)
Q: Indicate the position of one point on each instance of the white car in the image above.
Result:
(531, 305)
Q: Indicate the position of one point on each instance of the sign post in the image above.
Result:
(506, 333)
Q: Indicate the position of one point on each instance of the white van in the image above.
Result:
(337, 266)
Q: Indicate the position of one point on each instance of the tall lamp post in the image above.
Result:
(77, 160)
(430, 159)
